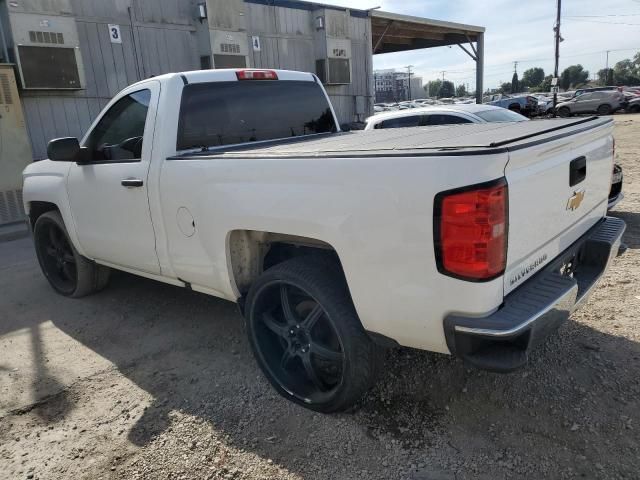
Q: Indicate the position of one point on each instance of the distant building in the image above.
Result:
(393, 86)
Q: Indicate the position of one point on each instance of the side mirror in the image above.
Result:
(64, 149)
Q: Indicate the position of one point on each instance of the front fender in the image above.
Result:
(46, 181)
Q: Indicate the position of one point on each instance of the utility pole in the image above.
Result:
(558, 39)
(443, 72)
(409, 67)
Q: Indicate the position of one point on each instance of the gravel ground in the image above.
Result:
(150, 381)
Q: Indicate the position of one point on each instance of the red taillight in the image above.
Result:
(471, 231)
(256, 75)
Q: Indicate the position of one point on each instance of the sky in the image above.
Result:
(517, 30)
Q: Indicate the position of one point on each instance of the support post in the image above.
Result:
(479, 67)
(557, 62)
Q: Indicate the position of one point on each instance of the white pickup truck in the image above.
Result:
(472, 240)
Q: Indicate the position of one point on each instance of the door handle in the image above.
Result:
(132, 182)
(577, 171)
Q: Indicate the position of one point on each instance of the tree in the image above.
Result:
(545, 85)
(573, 76)
(461, 90)
(627, 72)
(433, 88)
(505, 88)
(447, 89)
(515, 84)
(532, 77)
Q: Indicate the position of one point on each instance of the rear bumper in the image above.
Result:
(502, 341)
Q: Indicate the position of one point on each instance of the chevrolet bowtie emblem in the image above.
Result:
(575, 201)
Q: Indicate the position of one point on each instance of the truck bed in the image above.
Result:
(466, 139)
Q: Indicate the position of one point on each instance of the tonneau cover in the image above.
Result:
(454, 139)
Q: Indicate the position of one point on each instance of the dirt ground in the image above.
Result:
(145, 380)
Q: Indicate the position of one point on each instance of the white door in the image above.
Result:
(108, 190)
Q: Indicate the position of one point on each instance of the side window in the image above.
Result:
(119, 133)
(441, 119)
(401, 122)
(585, 97)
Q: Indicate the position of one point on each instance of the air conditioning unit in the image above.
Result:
(47, 52)
(230, 49)
(15, 150)
(336, 68)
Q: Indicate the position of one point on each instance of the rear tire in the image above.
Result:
(604, 109)
(306, 335)
(564, 112)
(69, 273)
(634, 109)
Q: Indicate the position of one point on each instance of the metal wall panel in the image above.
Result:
(261, 19)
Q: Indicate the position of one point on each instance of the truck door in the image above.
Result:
(108, 191)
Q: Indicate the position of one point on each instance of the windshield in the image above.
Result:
(500, 115)
(224, 113)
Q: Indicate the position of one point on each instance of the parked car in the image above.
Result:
(601, 102)
(633, 105)
(478, 241)
(545, 105)
(525, 104)
(443, 115)
(580, 91)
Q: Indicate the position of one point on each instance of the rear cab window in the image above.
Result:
(401, 122)
(500, 115)
(215, 114)
(443, 119)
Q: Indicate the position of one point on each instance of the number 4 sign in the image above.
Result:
(114, 34)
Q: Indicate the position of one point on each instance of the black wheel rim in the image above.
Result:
(56, 257)
(297, 342)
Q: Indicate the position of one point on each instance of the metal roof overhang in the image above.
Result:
(392, 32)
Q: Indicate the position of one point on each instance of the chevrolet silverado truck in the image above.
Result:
(472, 240)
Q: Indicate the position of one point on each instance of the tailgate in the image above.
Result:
(558, 189)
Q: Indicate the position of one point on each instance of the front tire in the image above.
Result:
(306, 335)
(564, 112)
(604, 110)
(69, 273)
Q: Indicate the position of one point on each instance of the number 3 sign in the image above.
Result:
(114, 34)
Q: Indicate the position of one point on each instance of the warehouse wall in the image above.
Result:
(287, 41)
(164, 42)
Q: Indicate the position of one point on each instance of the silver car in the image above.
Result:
(602, 103)
(443, 115)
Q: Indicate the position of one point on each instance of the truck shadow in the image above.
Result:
(189, 352)
(632, 235)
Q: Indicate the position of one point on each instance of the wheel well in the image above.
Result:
(252, 252)
(38, 208)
